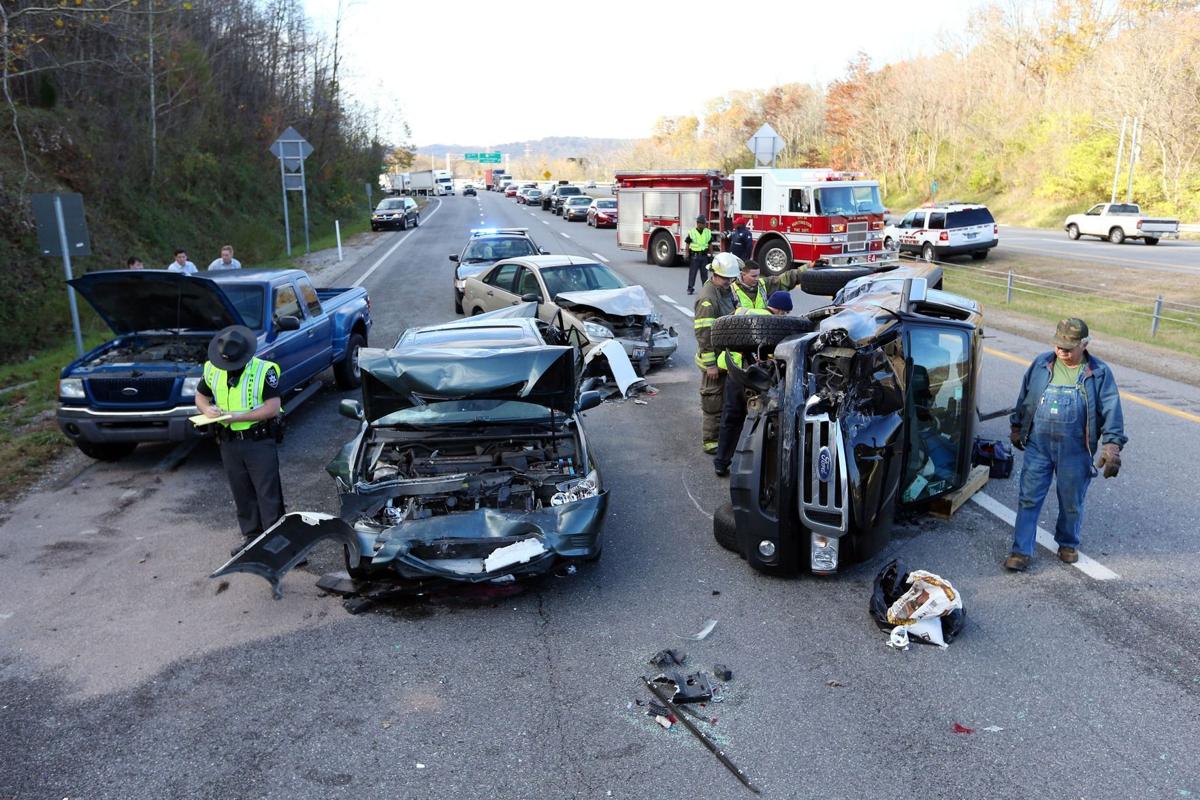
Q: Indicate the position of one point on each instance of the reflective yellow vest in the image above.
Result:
(758, 303)
(247, 395)
(701, 239)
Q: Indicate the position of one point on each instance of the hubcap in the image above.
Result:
(776, 260)
(357, 370)
(662, 250)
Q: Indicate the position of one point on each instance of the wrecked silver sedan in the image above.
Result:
(470, 464)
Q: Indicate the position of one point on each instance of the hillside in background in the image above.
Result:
(551, 147)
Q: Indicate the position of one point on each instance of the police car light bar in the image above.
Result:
(490, 231)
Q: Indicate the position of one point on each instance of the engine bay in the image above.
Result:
(142, 349)
(424, 479)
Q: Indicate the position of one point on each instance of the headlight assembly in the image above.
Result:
(189, 386)
(595, 330)
(71, 388)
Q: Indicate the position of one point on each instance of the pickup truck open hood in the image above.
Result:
(398, 379)
(621, 302)
(149, 300)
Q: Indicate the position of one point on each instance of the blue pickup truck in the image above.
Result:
(141, 386)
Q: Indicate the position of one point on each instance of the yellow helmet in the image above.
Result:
(727, 265)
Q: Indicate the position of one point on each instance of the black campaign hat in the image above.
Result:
(232, 348)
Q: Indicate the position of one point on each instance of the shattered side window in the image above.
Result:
(936, 411)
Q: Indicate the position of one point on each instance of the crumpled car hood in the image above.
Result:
(398, 379)
(621, 302)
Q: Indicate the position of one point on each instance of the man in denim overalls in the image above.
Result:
(1068, 408)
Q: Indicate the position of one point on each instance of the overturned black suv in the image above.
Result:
(854, 409)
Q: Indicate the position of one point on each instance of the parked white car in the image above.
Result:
(950, 229)
(1117, 222)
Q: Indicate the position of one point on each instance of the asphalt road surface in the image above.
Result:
(1168, 255)
(126, 673)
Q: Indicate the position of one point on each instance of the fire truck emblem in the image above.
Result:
(774, 221)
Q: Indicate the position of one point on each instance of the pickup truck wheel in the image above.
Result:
(346, 372)
(1116, 235)
(828, 281)
(725, 528)
(106, 451)
(749, 331)
(1150, 239)
(775, 258)
(927, 252)
(1072, 231)
(662, 249)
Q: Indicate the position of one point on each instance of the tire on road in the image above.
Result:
(1116, 235)
(662, 250)
(749, 331)
(1072, 231)
(106, 451)
(725, 528)
(346, 372)
(828, 281)
(1150, 239)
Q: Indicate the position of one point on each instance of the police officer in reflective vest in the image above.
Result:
(733, 407)
(245, 388)
(697, 240)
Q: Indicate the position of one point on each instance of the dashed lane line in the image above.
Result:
(602, 258)
(1130, 396)
(687, 312)
(1088, 566)
(565, 235)
(393, 248)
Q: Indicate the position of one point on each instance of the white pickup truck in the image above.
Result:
(1117, 222)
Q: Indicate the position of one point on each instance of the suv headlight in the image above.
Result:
(71, 388)
(824, 553)
(596, 331)
(189, 386)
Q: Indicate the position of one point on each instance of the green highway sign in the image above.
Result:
(489, 158)
(471, 156)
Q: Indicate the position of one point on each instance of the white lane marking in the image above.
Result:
(565, 235)
(544, 222)
(669, 299)
(392, 249)
(1088, 566)
(685, 311)
(695, 502)
(602, 258)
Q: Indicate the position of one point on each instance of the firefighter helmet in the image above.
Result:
(727, 265)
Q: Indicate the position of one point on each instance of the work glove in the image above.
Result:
(1110, 460)
(1014, 436)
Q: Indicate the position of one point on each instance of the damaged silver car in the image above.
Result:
(470, 464)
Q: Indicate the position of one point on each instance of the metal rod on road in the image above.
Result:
(1157, 316)
(337, 229)
(1008, 299)
(1120, 155)
(66, 253)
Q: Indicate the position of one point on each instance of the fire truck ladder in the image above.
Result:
(716, 223)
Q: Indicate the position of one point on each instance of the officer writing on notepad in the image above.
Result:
(244, 390)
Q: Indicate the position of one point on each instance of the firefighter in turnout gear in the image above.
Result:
(246, 388)
(752, 291)
(698, 241)
(715, 301)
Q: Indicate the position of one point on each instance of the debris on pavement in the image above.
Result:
(668, 658)
(693, 688)
(666, 723)
(916, 605)
(704, 632)
(962, 728)
(832, 684)
(699, 734)
(993, 729)
(722, 672)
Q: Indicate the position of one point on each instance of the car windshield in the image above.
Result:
(580, 278)
(968, 217)
(937, 409)
(579, 201)
(390, 205)
(606, 204)
(481, 250)
(848, 200)
(464, 412)
(248, 300)
(566, 190)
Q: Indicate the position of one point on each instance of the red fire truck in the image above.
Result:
(793, 214)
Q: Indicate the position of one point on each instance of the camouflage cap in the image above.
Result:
(1070, 332)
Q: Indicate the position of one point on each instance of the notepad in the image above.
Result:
(201, 419)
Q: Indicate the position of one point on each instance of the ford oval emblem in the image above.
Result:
(824, 464)
(129, 391)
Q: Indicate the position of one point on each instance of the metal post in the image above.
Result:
(66, 254)
(1157, 316)
(337, 230)
(369, 197)
(1120, 156)
(287, 225)
(304, 198)
(1134, 137)
(1008, 299)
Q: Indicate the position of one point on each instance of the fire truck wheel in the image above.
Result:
(662, 250)
(775, 257)
(751, 331)
(828, 281)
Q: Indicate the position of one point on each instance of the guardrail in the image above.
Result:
(1193, 227)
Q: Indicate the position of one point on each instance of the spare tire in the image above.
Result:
(828, 281)
(750, 331)
(725, 528)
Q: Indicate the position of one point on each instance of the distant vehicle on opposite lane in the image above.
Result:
(1116, 222)
(469, 191)
(396, 212)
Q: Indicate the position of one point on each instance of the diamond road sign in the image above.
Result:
(766, 145)
(291, 148)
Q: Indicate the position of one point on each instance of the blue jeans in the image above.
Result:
(1056, 451)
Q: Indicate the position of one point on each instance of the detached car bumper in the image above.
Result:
(660, 347)
(100, 427)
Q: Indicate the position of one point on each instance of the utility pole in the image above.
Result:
(1134, 145)
(1120, 157)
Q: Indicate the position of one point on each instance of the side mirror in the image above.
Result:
(531, 298)
(587, 400)
(454, 257)
(288, 323)
(351, 409)
(544, 251)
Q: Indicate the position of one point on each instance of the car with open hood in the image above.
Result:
(599, 303)
(470, 464)
(856, 409)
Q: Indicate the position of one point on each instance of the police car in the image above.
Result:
(947, 229)
(485, 247)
